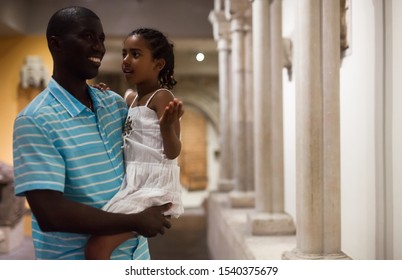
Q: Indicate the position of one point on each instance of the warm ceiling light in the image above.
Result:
(200, 57)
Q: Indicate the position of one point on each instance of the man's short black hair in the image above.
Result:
(61, 21)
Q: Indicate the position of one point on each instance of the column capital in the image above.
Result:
(239, 13)
(220, 25)
(219, 5)
(237, 8)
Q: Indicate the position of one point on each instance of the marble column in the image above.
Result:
(221, 31)
(262, 102)
(269, 217)
(236, 13)
(249, 102)
(318, 132)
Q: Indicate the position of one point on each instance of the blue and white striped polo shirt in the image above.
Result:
(61, 145)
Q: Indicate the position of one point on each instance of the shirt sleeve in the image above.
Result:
(38, 165)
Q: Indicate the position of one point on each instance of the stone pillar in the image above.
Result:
(269, 217)
(249, 101)
(277, 165)
(221, 31)
(318, 132)
(262, 102)
(236, 13)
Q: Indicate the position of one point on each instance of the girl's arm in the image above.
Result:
(169, 111)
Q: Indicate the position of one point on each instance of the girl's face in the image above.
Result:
(138, 64)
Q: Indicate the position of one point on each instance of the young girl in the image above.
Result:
(151, 135)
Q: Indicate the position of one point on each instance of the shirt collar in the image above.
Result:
(69, 102)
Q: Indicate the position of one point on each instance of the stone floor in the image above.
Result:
(186, 240)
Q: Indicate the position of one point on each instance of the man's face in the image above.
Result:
(83, 48)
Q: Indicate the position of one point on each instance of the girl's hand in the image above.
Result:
(173, 112)
(101, 86)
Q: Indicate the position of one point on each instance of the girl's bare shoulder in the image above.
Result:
(129, 96)
(160, 100)
(163, 96)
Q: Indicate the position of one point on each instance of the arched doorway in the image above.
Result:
(193, 157)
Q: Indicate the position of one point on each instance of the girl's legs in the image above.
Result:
(100, 247)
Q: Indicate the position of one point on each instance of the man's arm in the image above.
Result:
(56, 213)
(40, 170)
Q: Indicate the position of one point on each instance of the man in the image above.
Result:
(68, 160)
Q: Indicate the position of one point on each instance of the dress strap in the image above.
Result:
(135, 98)
(127, 94)
(150, 98)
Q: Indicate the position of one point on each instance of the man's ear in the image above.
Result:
(54, 43)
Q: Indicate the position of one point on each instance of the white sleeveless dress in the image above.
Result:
(151, 178)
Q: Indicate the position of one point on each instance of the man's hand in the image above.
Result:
(56, 213)
(152, 221)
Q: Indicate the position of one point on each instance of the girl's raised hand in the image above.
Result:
(173, 112)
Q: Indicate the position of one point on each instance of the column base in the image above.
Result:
(295, 254)
(270, 224)
(225, 185)
(242, 199)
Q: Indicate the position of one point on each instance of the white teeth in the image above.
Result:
(95, 59)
